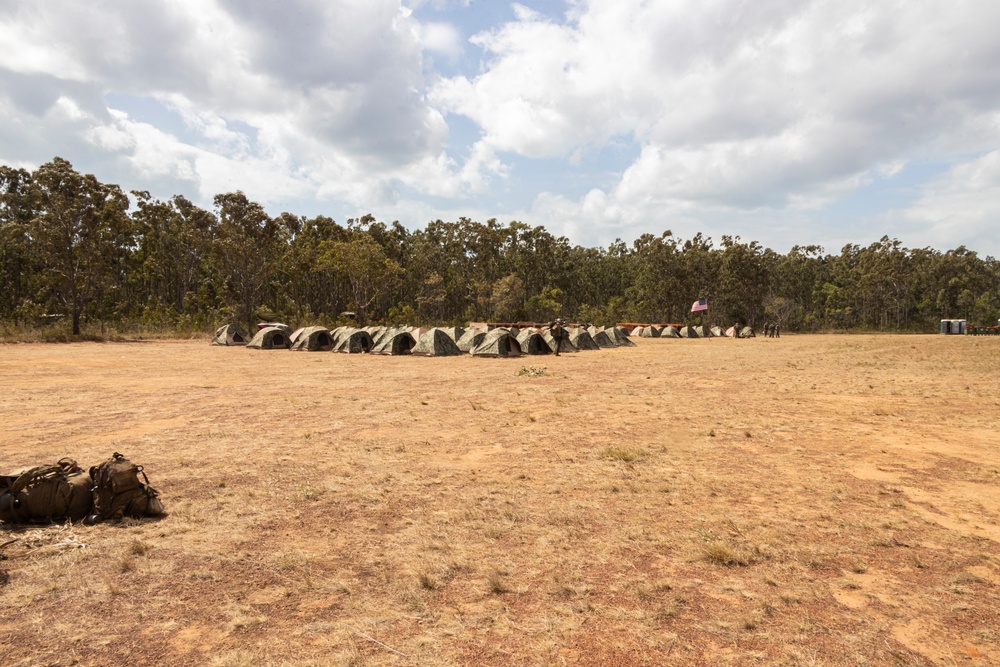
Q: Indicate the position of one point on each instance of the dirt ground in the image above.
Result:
(808, 500)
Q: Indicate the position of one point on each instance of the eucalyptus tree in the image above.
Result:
(319, 289)
(78, 229)
(367, 269)
(171, 263)
(743, 280)
(795, 277)
(17, 271)
(245, 253)
(700, 271)
(658, 291)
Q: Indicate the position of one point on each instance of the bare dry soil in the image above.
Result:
(808, 500)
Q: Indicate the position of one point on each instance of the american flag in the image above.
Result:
(699, 305)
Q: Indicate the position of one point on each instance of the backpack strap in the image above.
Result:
(62, 468)
(33, 475)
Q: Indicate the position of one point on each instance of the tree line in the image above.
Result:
(82, 250)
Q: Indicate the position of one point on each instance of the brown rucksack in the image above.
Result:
(45, 493)
(119, 493)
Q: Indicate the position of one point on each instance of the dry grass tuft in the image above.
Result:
(428, 581)
(724, 553)
(497, 583)
(626, 454)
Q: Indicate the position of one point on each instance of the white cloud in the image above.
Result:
(738, 107)
(307, 99)
(961, 207)
(443, 38)
(753, 114)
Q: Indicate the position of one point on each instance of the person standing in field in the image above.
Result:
(736, 330)
(558, 332)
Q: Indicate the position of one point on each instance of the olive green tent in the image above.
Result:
(618, 335)
(470, 339)
(271, 338)
(582, 340)
(395, 341)
(353, 341)
(564, 345)
(313, 339)
(230, 334)
(497, 343)
(602, 339)
(455, 333)
(532, 342)
(669, 332)
(436, 343)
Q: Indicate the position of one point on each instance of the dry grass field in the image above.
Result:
(809, 500)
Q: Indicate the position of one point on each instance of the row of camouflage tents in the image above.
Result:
(670, 331)
(436, 342)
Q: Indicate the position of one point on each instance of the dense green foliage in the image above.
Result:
(73, 246)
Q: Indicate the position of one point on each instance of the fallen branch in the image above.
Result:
(372, 639)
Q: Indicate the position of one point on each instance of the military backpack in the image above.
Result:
(119, 492)
(46, 493)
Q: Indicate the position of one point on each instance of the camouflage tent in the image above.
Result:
(717, 331)
(276, 325)
(747, 332)
(688, 332)
(470, 339)
(602, 339)
(669, 332)
(395, 341)
(436, 343)
(271, 338)
(650, 332)
(455, 333)
(376, 333)
(703, 332)
(582, 340)
(497, 343)
(636, 332)
(313, 339)
(230, 334)
(532, 342)
(619, 337)
(564, 345)
(353, 341)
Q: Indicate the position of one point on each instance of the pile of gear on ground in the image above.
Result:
(63, 491)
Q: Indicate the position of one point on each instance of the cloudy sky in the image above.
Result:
(783, 121)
